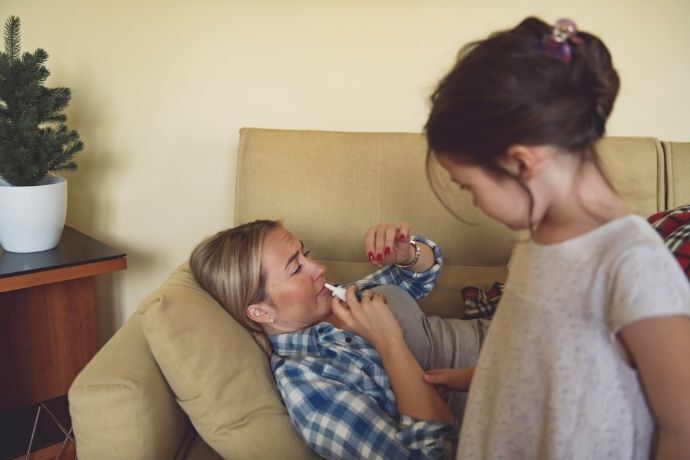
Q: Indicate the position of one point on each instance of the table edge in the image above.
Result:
(56, 275)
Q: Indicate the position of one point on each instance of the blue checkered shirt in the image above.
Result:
(338, 394)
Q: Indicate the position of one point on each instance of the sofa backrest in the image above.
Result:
(677, 173)
(328, 187)
(635, 166)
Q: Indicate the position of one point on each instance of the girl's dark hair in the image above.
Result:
(507, 90)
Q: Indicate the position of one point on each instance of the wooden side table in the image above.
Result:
(47, 329)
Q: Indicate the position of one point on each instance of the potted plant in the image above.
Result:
(34, 144)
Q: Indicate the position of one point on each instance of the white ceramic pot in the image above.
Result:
(32, 218)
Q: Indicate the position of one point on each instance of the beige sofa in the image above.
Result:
(181, 379)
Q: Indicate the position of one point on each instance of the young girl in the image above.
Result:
(588, 355)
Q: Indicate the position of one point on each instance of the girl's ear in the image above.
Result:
(523, 161)
(259, 313)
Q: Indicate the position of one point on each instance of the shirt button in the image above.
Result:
(348, 339)
(320, 330)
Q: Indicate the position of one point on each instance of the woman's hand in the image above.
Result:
(371, 318)
(387, 244)
(450, 379)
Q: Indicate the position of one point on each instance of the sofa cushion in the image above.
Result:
(218, 374)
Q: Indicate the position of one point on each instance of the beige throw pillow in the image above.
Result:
(219, 375)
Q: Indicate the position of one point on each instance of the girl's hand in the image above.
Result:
(450, 379)
(371, 318)
(387, 244)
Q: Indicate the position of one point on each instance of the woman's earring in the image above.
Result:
(272, 320)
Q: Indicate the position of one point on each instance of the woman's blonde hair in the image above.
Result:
(228, 266)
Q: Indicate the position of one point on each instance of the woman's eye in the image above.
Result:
(299, 266)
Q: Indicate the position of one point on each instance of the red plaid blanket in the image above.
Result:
(478, 303)
(674, 228)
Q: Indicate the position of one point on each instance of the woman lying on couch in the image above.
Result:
(351, 391)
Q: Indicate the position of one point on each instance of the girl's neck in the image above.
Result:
(573, 211)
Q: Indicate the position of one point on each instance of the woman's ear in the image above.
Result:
(259, 313)
(523, 161)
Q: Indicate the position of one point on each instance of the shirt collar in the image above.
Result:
(301, 342)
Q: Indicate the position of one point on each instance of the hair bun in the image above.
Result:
(599, 78)
(509, 89)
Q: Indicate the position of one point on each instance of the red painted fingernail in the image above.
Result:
(386, 251)
(402, 238)
(371, 256)
(379, 257)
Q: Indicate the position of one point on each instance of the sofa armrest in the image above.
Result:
(121, 406)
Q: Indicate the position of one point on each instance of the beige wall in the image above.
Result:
(160, 89)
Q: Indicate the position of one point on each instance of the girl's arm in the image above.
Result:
(450, 379)
(372, 320)
(660, 350)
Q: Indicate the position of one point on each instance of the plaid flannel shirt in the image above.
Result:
(338, 394)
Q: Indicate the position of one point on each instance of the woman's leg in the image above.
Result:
(455, 344)
(412, 321)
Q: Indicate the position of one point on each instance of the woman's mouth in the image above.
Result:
(324, 290)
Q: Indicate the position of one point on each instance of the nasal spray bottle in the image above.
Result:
(339, 292)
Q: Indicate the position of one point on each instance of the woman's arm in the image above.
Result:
(413, 395)
(372, 319)
(338, 420)
(389, 246)
(660, 350)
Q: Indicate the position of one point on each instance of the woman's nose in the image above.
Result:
(318, 269)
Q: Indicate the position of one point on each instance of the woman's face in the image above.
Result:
(296, 297)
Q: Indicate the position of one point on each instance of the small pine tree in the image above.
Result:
(34, 139)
